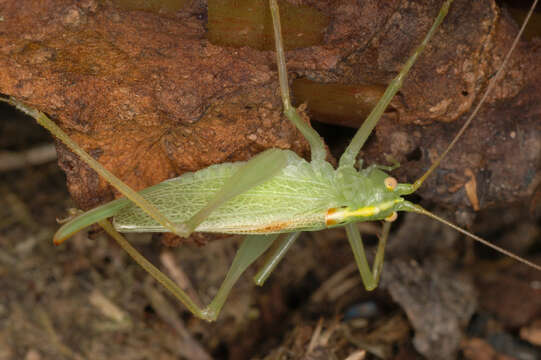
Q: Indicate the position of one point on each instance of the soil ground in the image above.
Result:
(87, 300)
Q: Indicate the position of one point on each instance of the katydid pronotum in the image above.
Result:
(272, 197)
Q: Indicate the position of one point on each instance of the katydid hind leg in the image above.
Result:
(285, 242)
(122, 187)
(256, 171)
(370, 277)
(253, 246)
(159, 276)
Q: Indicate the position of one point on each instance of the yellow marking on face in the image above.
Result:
(336, 216)
(365, 211)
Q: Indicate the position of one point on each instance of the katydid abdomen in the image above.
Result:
(297, 198)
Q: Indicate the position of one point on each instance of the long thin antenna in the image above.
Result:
(490, 87)
(420, 210)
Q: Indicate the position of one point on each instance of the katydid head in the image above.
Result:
(366, 195)
(371, 194)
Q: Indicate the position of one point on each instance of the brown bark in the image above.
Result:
(151, 98)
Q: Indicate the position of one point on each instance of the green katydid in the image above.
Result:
(272, 197)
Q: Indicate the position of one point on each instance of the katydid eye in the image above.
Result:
(390, 183)
(392, 217)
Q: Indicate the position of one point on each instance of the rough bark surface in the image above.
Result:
(151, 98)
(147, 96)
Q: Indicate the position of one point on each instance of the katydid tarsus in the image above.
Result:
(272, 197)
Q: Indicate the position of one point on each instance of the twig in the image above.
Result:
(110, 310)
(38, 155)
